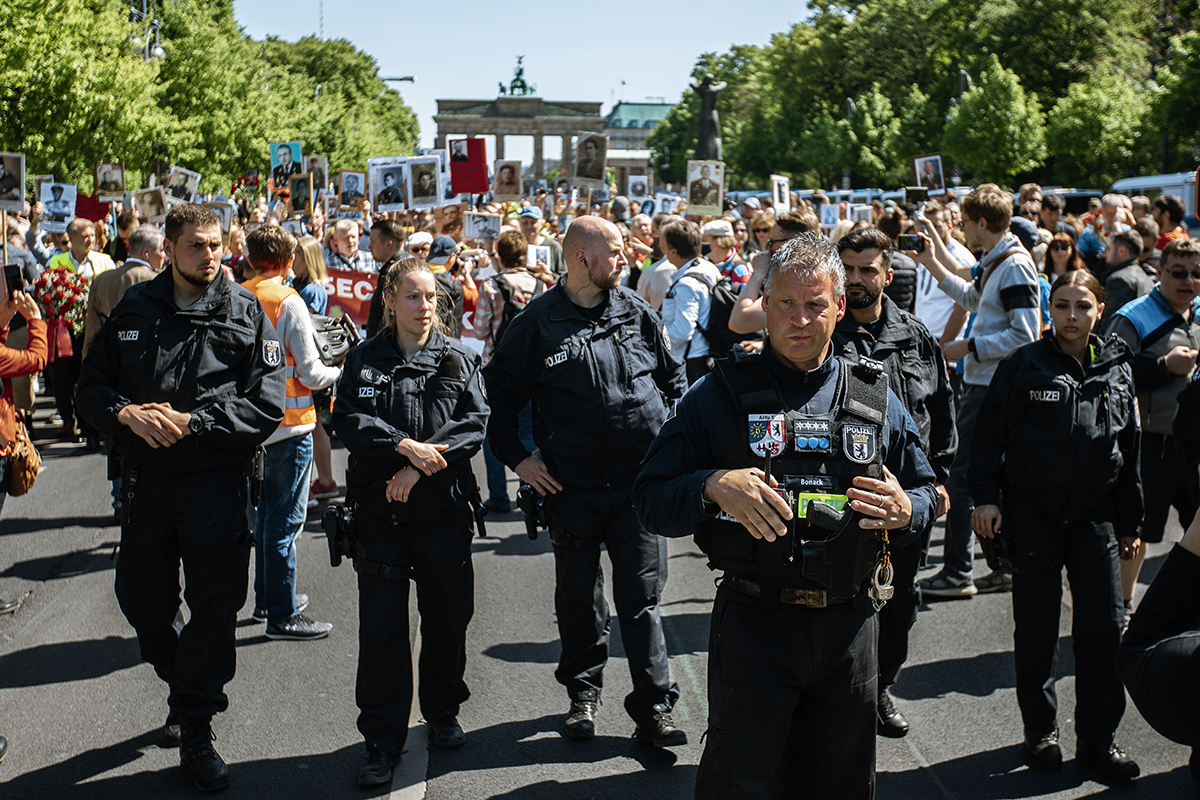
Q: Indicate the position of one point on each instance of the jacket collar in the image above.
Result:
(384, 347)
(162, 287)
(618, 307)
(893, 330)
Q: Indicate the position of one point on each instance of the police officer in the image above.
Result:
(410, 409)
(1056, 447)
(798, 473)
(187, 375)
(877, 328)
(593, 357)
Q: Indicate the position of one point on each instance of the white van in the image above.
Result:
(1181, 184)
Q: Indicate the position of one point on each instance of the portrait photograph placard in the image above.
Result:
(781, 193)
(481, 226)
(12, 182)
(294, 227)
(110, 182)
(38, 180)
(829, 215)
(537, 258)
(706, 187)
(352, 188)
(151, 204)
(506, 182)
(300, 192)
(286, 162)
(424, 175)
(860, 212)
(468, 166)
(666, 203)
(928, 169)
(389, 189)
(591, 154)
(225, 212)
(318, 167)
(637, 187)
(448, 220)
(58, 202)
(182, 183)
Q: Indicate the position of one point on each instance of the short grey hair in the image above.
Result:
(343, 226)
(808, 256)
(145, 237)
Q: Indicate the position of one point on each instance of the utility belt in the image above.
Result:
(775, 595)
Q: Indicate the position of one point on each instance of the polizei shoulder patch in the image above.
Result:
(272, 353)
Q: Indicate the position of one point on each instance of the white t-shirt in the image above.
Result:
(933, 306)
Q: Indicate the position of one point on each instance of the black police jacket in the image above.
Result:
(1061, 437)
(218, 359)
(600, 389)
(916, 373)
(436, 397)
(708, 433)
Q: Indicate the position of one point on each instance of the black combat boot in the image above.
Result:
(197, 756)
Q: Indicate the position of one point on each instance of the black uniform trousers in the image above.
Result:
(1089, 552)
(792, 694)
(898, 616)
(1165, 485)
(438, 557)
(202, 519)
(639, 563)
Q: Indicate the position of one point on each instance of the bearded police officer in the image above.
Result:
(188, 376)
(593, 358)
(798, 473)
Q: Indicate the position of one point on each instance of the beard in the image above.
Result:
(198, 280)
(605, 281)
(864, 299)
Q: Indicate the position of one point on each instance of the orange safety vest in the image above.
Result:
(299, 408)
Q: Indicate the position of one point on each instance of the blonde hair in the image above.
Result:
(391, 284)
(309, 265)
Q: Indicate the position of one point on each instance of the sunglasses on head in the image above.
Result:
(1060, 247)
(1184, 274)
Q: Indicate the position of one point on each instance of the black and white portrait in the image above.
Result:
(481, 226)
(423, 177)
(353, 185)
(225, 212)
(506, 185)
(704, 180)
(590, 155)
(300, 190)
(110, 182)
(639, 186)
(458, 150)
(58, 200)
(286, 161)
(318, 167)
(12, 182)
(389, 190)
(781, 193)
(182, 183)
(151, 204)
(294, 227)
(666, 203)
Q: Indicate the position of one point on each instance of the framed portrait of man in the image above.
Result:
(666, 203)
(286, 162)
(352, 188)
(537, 258)
(110, 182)
(318, 167)
(506, 183)
(481, 226)
(182, 183)
(12, 182)
(300, 191)
(638, 187)
(591, 154)
(830, 215)
(781, 193)
(424, 174)
(294, 227)
(468, 166)
(224, 211)
(448, 220)
(151, 204)
(387, 176)
(706, 187)
(929, 173)
(58, 200)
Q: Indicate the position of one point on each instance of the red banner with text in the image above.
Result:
(351, 292)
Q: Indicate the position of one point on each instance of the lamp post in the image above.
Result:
(964, 85)
(149, 39)
(851, 112)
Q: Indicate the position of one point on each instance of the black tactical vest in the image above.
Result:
(813, 458)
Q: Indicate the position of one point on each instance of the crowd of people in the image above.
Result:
(804, 400)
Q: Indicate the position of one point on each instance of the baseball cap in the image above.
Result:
(752, 202)
(531, 211)
(620, 208)
(440, 251)
(1025, 230)
(717, 227)
(417, 239)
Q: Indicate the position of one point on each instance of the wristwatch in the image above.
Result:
(195, 424)
(971, 345)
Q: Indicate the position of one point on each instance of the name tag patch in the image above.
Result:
(557, 358)
(127, 336)
(1045, 395)
(766, 434)
(366, 391)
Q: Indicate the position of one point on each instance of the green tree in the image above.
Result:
(1177, 105)
(1097, 132)
(920, 128)
(998, 130)
(872, 135)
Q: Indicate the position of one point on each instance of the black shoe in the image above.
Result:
(1044, 750)
(660, 730)
(171, 729)
(198, 758)
(298, 627)
(9, 606)
(1112, 761)
(581, 719)
(377, 769)
(445, 731)
(891, 723)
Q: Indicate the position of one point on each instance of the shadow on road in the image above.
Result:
(67, 662)
(629, 786)
(514, 544)
(13, 525)
(64, 565)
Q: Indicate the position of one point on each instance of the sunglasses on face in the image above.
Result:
(1059, 248)
(762, 230)
(1184, 274)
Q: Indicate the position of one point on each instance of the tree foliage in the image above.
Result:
(1097, 132)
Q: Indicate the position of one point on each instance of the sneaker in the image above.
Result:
(581, 719)
(377, 769)
(298, 627)
(660, 730)
(198, 758)
(1114, 762)
(890, 723)
(323, 491)
(1044, 750)
(946, 585)
(260, 613)
(312, 501)
(171, 729)
(997, 581)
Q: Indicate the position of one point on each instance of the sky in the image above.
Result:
(573, 51)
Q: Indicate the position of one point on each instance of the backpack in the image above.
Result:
(449, 304)
(515, 302)
(723, 298)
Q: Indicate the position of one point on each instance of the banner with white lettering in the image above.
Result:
(350, 294)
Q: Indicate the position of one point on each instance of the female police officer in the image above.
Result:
(1058, 436)
(410, 409)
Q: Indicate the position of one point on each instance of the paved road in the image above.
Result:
(83, 716)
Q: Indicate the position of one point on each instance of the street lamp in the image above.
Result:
(149, 38)
(408, 78)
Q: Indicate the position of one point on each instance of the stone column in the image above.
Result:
(538, 168)
(441, 140)
(568, 156)
(499, 146)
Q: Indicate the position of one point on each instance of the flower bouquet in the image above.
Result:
(62, 297)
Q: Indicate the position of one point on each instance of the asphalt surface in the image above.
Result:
(83, 715)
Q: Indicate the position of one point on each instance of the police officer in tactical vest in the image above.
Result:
(798, 473)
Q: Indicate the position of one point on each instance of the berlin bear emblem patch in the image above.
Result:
(859, 443)
(766, 434)
(272, 353)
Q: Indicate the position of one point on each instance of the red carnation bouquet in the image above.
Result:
(62, 296)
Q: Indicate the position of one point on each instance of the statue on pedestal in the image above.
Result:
(708, 144)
